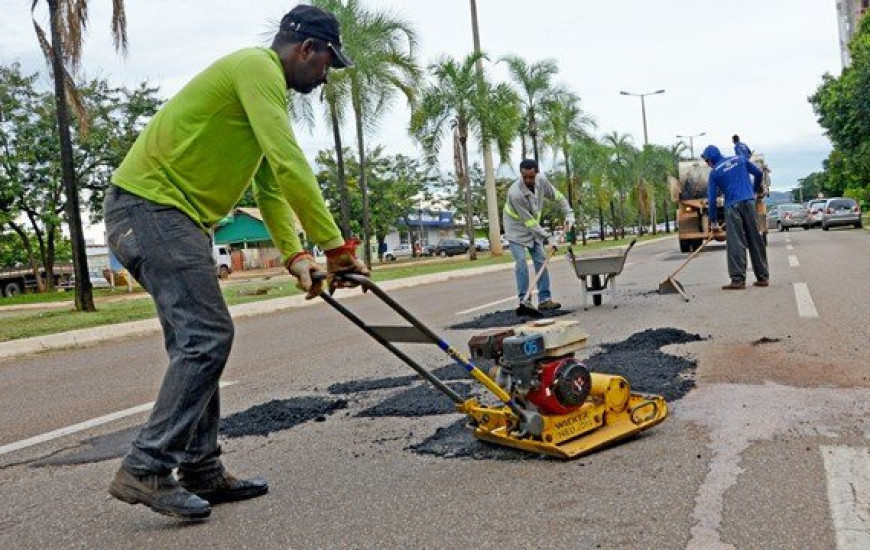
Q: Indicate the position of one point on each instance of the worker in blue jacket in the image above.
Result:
(730, 175)
(740, 148)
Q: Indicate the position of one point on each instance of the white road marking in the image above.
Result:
(789, 247)
(81, 426)
(848, 473)
(485, 306)
(806, 308)
(787, 239)
(793, 261)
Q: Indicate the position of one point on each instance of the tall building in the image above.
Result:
(849, 13)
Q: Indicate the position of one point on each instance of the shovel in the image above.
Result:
(671, 285)
(526, 310)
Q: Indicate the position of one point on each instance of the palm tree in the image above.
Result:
(382, 47)
(592, 162)
(621, 152)
(68, 22)
(462, 99)
(533, 81)
(564, 123)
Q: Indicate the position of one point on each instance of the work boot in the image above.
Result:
(549, 305)
(761, 282)
(735, 285)
(217, 487)
(161, 493)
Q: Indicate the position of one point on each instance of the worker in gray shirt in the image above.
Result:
(522, 228)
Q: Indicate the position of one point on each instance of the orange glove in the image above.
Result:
(342, 261)
(304, 268)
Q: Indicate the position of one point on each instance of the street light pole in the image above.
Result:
(691, 142)
(643, 109)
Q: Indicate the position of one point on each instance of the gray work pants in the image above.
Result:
(170, 256)
(742, 233)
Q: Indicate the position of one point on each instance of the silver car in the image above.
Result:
(815, 208)
(785, 216)
(841, 211)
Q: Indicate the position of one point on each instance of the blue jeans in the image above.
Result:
(170, 256)
(521, 269)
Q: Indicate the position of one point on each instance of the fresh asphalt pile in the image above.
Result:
(640, 360)
(505, 319)
(278, 415)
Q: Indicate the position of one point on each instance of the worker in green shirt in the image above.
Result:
(226, 128)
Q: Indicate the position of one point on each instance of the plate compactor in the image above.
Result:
(550, 402)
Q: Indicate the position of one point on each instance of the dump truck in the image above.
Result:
(15, 280)
(689, 194)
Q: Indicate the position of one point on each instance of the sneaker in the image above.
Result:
(549, 305)
(223, 487)
(161, 493)
(761, 282)
(734, 285)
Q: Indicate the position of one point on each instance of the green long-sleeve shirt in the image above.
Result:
(227, 127)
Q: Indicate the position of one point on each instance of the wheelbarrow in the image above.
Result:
(597, 272)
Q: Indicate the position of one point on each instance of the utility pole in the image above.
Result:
(691, 142)
(492, 210)
(643, 109)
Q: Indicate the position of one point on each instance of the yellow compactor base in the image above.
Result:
(611, 413)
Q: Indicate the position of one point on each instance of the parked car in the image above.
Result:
(98, 280)
(815, 208)
(841, 211)
(398, 251)
(504, 242)
(481, 244)
(450, 247)
(783, 217)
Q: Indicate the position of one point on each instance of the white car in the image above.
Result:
(398, 251)
(481, 244)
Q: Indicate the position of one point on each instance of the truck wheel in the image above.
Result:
(685, 245)
(224, 272)
(595, 284)
(11, 289)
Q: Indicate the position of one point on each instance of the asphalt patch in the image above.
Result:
(452, 371)
(423, 400)
(505, 319)
(278, 415)
(261, 420)
(639, 360)
(456, 441)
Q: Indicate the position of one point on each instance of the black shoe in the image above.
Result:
(161, 493)
(223, 487)
(761, 282)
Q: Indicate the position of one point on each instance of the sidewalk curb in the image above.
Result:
(90, 336)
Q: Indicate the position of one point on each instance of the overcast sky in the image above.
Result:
(744, 66)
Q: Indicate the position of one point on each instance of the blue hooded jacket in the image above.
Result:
(730, 175)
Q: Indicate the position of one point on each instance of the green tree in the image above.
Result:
(30, 171)
(68, 22)
(564, 123)
(397, 182)
(841, 106)
(534, 85)
(461, 100)
(621, 175)
(382, 47)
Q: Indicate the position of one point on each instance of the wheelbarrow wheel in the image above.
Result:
(595, 284)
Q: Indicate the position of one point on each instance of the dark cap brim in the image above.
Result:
(339, 59)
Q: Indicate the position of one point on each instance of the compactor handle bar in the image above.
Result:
(416, 333)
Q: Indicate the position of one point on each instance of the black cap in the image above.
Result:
(317, 23)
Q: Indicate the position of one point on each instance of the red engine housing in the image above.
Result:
(564, 386)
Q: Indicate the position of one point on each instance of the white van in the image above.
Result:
(223, 263)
